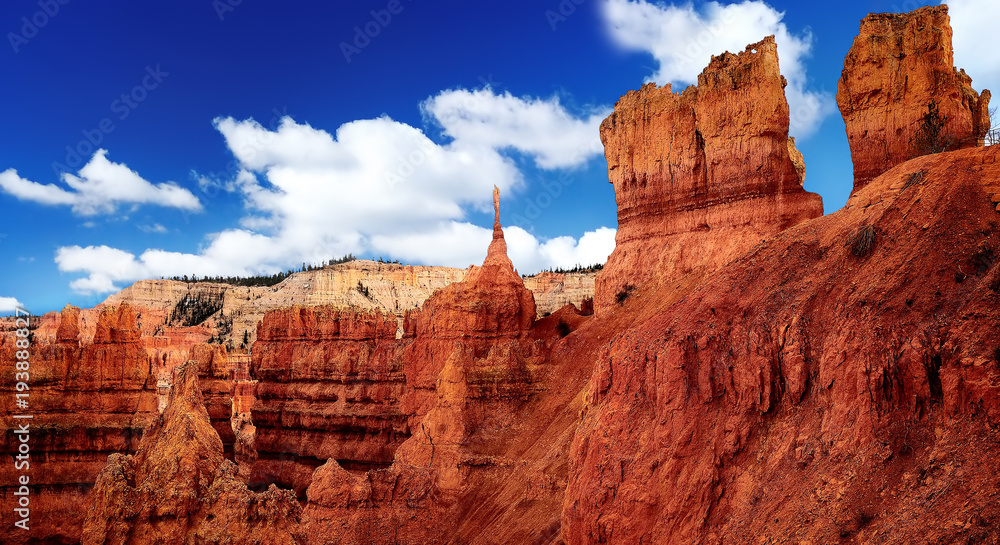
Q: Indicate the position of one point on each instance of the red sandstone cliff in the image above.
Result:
(702, 176)
(826, 386)
(836, 382)
(899, 63)
(330, 386)
(179, 489)
(475, 367)
(88, 400)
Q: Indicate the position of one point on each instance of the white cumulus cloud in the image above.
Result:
(542, 128)
(973, 22)
(374, 186)
(683, 39)
(99, 187)
(9, 304)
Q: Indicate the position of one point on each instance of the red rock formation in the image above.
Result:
(553, 290)
(88, 401)
(489, 306)
(826, 386)
(838, 381)
(702, 176)
(178, 488)
(473, 370)
(899, 63)
(216, 381)
(330, 385)
(68, 331)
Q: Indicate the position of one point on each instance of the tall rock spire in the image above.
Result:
(703, 175)
(497, 252)
(899, 64)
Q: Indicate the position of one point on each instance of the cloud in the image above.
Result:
(683, 39)
(973, 21)
(99, 187)
(532, 255)
(542, 128)
(9, 304)
(375, 186)
(155, 228)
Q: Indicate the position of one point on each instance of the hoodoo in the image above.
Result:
(702, 176)
(178, 488)
(754, 372)
(901, 64)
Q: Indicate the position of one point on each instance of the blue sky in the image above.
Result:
(250, 137)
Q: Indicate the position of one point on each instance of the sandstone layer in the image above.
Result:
(350, 386)
(178, 488)
(88, 400)
(360, 284)
(839, 382)
(702, 176)
(553, 291)
(900, 63)
(330, 384)
(474, 368)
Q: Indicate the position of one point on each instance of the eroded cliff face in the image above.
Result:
(553, 291)
(88, 400)
(179, 489)
(900, 63)
(702, 176)
(353, 387)
(475, 366)
(330, 386)
(177, 315)
(840, 381)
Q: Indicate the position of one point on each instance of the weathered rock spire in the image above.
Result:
(701, 176)
(900, 63)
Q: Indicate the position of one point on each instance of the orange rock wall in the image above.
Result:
(88, 401)
(702, 176)
(811, 390)
(898, 64)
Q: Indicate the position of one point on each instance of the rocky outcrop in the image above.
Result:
(488, 308)
(88, 400)
(330, 385)
(179, 489)
(553, 291)
(702, 176)
(165, 306)
(473, 368)
(899, 64)
(838, 382)
(351, 386)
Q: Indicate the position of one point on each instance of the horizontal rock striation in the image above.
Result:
(88, 400)
(838, 382)
(178, 488)
(330, 385)
(702, 176)
(899, 64)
